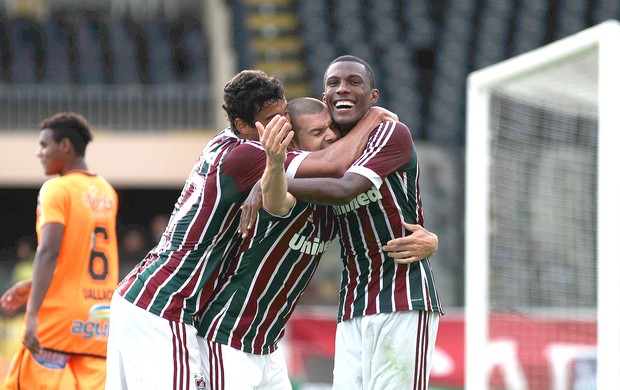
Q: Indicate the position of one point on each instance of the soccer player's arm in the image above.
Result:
(16, 296)
(275, 140)
(418, 245)
(329, 191)
(334, 160)
(392, 149)
(44, 266)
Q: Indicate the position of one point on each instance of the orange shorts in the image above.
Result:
(54, 370)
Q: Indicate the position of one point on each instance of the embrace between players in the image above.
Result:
(208, 304)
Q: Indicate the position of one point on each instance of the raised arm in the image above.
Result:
(275, 139)
(334, 160)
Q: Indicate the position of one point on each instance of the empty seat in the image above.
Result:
(27, 50)
(493, 36)
(57, 69)
(530, 26)
(161, 69)
(196, 46)
(571, 17)
(5, 51)
(419, 26)
(90, 48)
(123, 49)
(605, 10)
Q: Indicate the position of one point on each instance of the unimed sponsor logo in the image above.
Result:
(363, 199)
(309, 246)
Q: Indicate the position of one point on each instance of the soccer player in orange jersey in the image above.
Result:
(75, 267)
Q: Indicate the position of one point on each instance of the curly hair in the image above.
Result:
(247, 93)
(72, 126)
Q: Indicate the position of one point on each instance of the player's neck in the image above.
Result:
(79, 165)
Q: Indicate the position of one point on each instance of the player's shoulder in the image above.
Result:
(53, 183)
(54, 188)
(247, 148)
(394, 130)
(394, 126)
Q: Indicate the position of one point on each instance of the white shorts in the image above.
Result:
(385, 351)
(146, 351)
(229, 368)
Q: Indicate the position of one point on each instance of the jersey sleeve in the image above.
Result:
(389, 148)
(246, 162)
(52, 203)
(293, 162)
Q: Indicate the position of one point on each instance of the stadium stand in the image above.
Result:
(421, 50)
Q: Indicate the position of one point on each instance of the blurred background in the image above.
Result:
(148, 75)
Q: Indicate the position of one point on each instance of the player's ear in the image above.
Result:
(374, 97)
(66, 146)
(293, 145)
(242, 126)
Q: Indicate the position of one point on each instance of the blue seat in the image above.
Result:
(530, 26)
(419, 26)
(57, 69)
(571, 17)
(123, 48)
(90, 49)
(493, 34)
(5, 50)
(195, 45)
(161, 69)
(605, 10)
(27, 51)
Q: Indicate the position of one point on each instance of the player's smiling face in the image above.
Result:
(348, 93)
(50, 153)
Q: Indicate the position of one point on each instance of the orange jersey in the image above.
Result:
(74, 315)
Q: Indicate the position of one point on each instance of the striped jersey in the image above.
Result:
(372, 282)
(74, 315)
(260, 287)
(173, 279)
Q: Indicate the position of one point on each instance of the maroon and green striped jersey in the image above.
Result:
(259, 289)
(174, 278)
(373, 282)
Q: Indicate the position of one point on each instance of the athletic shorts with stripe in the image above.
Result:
(162, 355)
(385, 351)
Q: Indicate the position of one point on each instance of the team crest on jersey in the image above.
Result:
(97, 325)
(200, 381)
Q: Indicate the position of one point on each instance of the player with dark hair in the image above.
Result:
(388, 312)
(75, 267)
(154, 307)
(254, 297)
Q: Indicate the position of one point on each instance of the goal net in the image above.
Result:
(543, 217)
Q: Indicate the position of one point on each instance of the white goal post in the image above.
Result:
(582, 73)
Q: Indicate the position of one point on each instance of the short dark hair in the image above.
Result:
(72, 126)
(351, 58)
(247, 93)
(303, 106)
